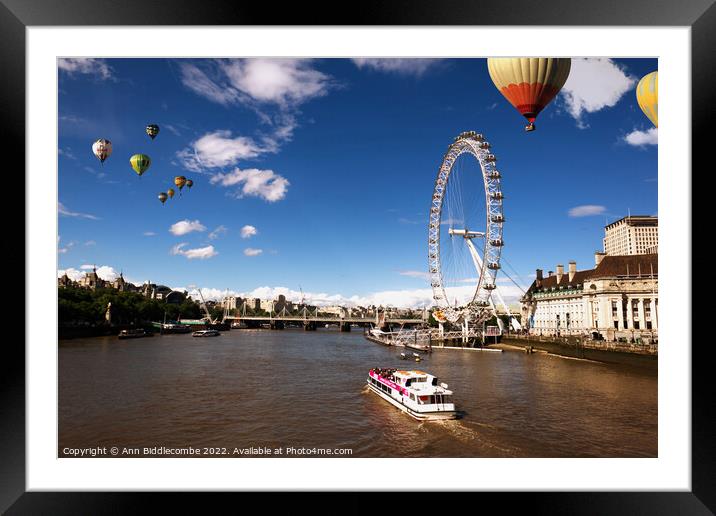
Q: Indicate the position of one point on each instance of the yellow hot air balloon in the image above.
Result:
(647, 95)
(170, 193)
(529, 83)
(140, 163)
(180, 181)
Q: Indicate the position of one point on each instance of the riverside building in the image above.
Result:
(637, 234)
(617, 299)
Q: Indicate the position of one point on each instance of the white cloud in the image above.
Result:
(90, 242)
(87, 66)
(587, 210)
(415, 298)
(272, 88)
(250, 251)
(171, 129)
(642, 138)
(248, 231)
(107, 273)
(416, 67)
(220, 149)
(186, 226)
(62, 210)
(63, 250)
(149, 233)
(594, 84)
(67, 153)
(284, 82)
(220, 230)
(415, 274)
(202, 253)
(255, 183)
(72, 273)
(281, 81)
(196, 80)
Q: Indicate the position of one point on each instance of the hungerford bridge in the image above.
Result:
(311, 321)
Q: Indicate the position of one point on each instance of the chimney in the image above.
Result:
(538, 275)
(549, 274)
(572, 270)
(598, 256)
(560, 273)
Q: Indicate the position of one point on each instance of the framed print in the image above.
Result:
(277, 255)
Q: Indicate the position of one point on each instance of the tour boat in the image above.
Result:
(206, 333)
(415, 392)
(133, 334)
(175, 328)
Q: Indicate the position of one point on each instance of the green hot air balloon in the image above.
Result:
(152, 130)
(189, 183)
(140, 163)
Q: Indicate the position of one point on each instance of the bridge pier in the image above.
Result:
(309, 326)
(277, 325)
(344, 326)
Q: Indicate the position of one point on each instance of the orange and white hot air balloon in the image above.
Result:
(529, 83)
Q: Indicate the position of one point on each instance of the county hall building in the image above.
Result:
(616, 299)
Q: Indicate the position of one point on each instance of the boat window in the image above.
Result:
(412, 396)
(435, 381)
(408, 382)
(447, 399)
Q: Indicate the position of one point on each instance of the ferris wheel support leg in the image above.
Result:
(478, 266)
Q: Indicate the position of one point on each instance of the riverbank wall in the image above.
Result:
(640, 355)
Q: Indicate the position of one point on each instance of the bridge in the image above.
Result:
(310, 323)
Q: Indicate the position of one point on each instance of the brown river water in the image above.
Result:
(307, 390)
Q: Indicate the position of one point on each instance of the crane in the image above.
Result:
(203, 304)
(300, 303)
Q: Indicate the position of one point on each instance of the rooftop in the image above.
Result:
(644, 265)
(635, 220)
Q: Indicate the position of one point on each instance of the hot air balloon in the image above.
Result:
(152, 130)
(162, 197)
(102, 149)
(529, 83)
(170, 193)
(140, 163)
(647, 95)
(189, 183)
(180, 181)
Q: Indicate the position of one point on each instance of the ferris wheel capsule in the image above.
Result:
(491, 158)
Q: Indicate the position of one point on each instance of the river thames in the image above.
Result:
(296, 389)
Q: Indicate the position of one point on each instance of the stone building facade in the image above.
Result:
(617, 299)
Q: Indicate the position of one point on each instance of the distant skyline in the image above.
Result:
(317, 174)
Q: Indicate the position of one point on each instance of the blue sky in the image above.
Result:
(332, 163)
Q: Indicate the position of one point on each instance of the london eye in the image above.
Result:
(465, 232)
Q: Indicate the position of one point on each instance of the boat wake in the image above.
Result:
(463, 432)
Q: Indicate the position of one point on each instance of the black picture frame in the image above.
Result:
(699, 15)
